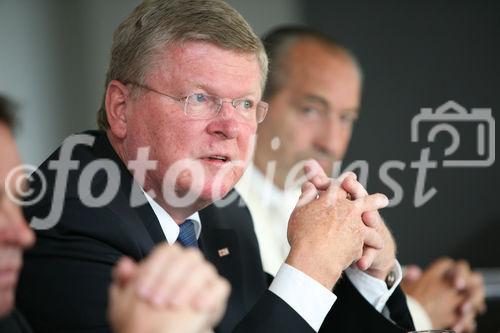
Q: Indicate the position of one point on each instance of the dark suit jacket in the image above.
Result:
(63, 286)
(14, 323)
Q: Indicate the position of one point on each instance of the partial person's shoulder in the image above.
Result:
(14, 323)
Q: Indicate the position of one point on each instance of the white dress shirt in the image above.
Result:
(312, 304)
(167, 223)
(421, 319)
(271, 208)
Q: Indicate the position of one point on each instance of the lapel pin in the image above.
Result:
(223, 252)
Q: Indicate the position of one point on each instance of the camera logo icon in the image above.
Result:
(450, 118)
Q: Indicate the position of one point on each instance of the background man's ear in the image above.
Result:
(117, 96)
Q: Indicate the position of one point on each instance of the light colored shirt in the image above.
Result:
(271, 208)
(167, 223)
(312, 305)
(421, 319)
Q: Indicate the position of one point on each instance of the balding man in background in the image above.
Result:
(314, 91)
(127, 311)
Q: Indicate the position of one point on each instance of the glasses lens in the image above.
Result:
(262, 108)
(201, 106)
(246, 108)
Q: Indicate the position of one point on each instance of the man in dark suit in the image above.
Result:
(182, 103)
(128, 313)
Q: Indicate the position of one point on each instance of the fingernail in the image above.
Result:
(383, 201)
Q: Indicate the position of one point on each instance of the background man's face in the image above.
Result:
(313, 113)
(160, 123)
(15, 235)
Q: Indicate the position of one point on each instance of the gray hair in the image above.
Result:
(157, 23)
(278, 43)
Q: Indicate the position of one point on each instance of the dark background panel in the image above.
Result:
(414, 55)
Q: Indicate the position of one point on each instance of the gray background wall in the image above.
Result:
(54, 54)
(53, 57)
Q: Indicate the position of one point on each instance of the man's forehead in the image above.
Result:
(205, 64)
(314, 69)
(312, 48)
(310, 56)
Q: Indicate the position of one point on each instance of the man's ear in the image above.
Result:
(117, 97)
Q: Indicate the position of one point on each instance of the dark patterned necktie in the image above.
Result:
(187, 234)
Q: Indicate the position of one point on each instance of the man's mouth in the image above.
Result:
(217, 158)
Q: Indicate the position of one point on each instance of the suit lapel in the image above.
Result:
(227, 239)
(220, 247)
(229, 242)
(140, 219)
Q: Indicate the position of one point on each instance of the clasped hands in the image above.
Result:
(451, 293)
(173, 290)
(336, 224)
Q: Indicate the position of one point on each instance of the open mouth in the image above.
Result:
(217, 158)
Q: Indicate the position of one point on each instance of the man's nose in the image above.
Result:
(225, 124)
(26, 236)
(15, 230)
(329, 137)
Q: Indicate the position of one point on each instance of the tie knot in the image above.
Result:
(187, 234)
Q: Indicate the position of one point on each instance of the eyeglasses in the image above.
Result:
(203, 106)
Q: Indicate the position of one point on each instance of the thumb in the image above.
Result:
(124, 271)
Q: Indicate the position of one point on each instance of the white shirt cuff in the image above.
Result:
(373, 290)
(309, 298)
(420, 317)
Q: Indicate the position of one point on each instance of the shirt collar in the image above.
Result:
(167, 223)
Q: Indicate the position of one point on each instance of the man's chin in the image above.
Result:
(201, 192)
(219, 185)
(215, 193)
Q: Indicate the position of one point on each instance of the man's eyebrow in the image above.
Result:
(354, 111)
(204, 87)
(316, 99)
(212, 92)
(321, 100)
